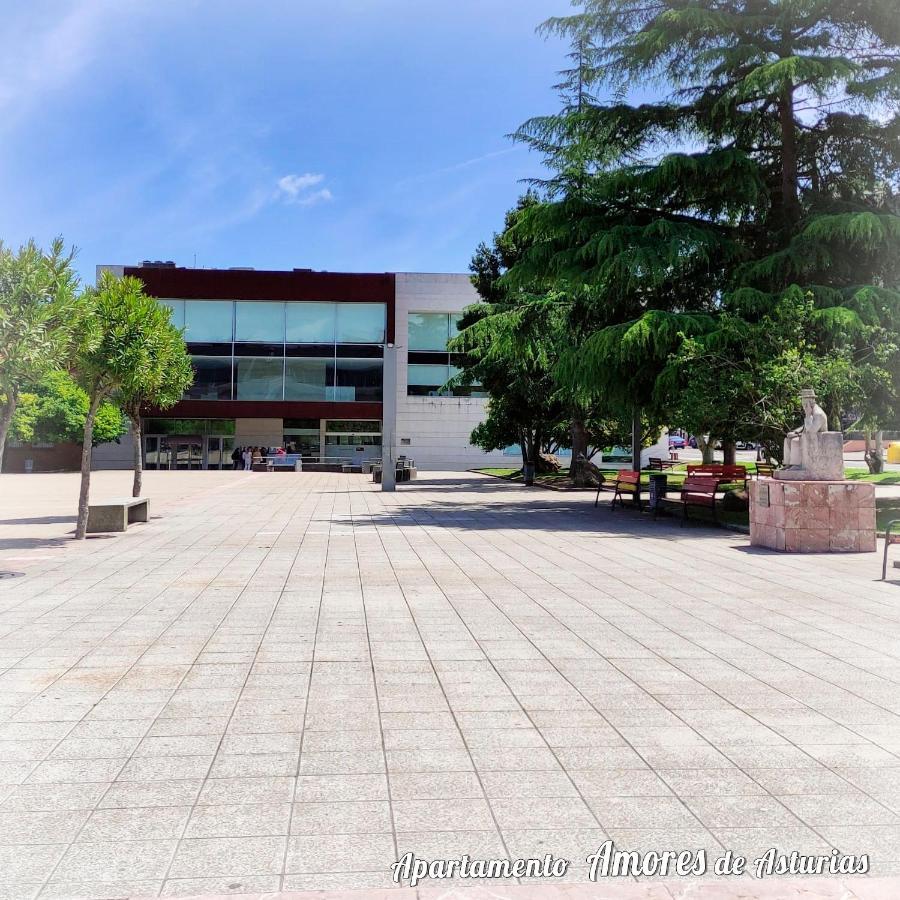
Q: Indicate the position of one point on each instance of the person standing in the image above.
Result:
(237, 458)
(248, 459)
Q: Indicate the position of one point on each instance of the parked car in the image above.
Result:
(676, 442)
(692, 442)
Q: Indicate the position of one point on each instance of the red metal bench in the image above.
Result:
(725, 474)
(626, 482)
(734, 473)
(699, 491)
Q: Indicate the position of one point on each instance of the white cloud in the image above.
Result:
(322, 196)
(298, 189)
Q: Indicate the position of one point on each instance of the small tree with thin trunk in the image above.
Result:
(161, 383)
(121, 335)
(39, 312)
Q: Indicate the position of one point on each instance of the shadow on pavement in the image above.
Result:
(39, 520)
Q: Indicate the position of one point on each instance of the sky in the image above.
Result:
(350, 135)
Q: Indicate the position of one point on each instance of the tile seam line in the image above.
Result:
(502, 678)
(716, 692)
(156, 718)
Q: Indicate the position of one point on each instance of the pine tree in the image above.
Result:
(783, 177)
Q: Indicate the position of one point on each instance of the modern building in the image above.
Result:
(334, 364)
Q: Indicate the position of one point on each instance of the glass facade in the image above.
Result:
(310, 323)
(308, 379)
(429, 364)
(212, 378)
(259, 322)
(208, 320)
(360, 323)
(431, 331)
(270, 350)
(258, 378)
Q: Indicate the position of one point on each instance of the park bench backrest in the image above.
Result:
(628, 481)
(738, 473)
(699, 491)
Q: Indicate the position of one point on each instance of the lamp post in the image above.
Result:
(389, 420)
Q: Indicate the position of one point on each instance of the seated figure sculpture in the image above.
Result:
(811, 452)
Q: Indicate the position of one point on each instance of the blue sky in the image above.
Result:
(358, 135)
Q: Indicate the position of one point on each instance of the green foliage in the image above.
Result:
(40, 314)
(741, 380)
(54, 411)
(167, 371)
(764, 180)
(125, 339)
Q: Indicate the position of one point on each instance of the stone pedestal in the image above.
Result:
(812, 516)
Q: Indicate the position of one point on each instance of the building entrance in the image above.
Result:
(186, 452)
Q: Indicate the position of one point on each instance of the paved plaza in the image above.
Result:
(287, 681)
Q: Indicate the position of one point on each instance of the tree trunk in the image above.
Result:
(138, 456)
(86, 447)
(6, 415)
(636, 442)
(729, 453)
(579, 452)
(789, 180)
(874, 456)
(705, 444)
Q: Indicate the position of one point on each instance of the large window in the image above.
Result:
(430, 364)
(360, 323)
(430, 331)
(212, 378)
(262, 322)
(274, 350)
(426, 381)
(308, 379)
(208, 320)
(429, 380)
(258, 378)
(358, 379)
(310, 323)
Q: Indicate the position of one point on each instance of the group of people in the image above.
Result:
(247, 457)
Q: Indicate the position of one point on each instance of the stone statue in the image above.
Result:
(811, 452)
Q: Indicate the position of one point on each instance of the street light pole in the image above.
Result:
(389, 420)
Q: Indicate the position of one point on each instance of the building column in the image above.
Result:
(389, 420)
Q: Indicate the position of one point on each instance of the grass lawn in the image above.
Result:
(863, 475)
(885, 510)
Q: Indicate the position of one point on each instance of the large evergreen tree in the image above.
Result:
(782, 116)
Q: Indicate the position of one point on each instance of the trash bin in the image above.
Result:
(29, 465)
(659, 484)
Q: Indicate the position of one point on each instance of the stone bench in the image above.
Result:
(117, 515)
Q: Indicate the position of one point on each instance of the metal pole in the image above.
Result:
(389, 420)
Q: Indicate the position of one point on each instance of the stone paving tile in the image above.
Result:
(281, 683)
